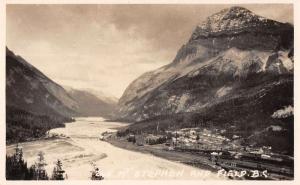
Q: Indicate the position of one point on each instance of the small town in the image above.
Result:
(216, 151)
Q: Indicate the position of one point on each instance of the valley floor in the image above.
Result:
(271, 167)
(160, 150)
(78, 146)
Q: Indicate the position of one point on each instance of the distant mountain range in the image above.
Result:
(93, 103)
(31, 95)
(234, 72)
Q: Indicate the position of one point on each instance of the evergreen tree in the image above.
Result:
(16, 167)
(96, 173)
(38, 169)
(31, 173)
(58, 172)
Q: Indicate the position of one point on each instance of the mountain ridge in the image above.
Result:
(235, 20)
(36, 104)
(93, 103)
(199, 52)
(37, 89)
(246, 74)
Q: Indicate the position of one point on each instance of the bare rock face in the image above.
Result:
(241, 28)
(231, 52)
(236, 20)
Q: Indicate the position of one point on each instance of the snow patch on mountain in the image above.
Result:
(182, 102)
(286, 61)
(284, 112)
(223, 91)
(196, 106)
(231, 20)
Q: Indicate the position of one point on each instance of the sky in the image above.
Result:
(106, 47)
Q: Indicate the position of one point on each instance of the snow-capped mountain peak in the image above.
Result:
(228, 48)
(232, 21)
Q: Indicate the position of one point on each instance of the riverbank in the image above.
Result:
(80, 146)
(160, 150)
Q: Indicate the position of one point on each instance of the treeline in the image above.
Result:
(23, 126)
(16, 168)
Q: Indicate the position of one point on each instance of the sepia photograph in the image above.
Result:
(101, 92)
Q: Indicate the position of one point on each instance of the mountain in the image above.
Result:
(29, 89)
(234, 72)
(34, 103)
(93, 103)
(107, 98)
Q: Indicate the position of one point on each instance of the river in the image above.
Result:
(81, 146)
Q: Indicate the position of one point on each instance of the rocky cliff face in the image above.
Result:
(223, 53)
(241, 28)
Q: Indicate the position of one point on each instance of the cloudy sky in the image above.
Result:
(105, 47)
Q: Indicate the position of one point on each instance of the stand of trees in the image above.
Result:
(23, 126)
(16, 168)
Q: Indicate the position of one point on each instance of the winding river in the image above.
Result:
(80, 145)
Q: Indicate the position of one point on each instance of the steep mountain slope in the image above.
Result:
(230, 45)
(235, 71)
(34, 103)
(93, 103)
(29, 89)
